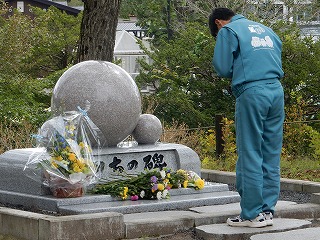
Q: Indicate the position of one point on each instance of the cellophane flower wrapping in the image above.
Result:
(65, 153)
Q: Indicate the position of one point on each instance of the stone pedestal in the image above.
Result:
(14, 179)
(132, 160)
(18, 189)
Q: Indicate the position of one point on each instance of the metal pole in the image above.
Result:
(219, 134)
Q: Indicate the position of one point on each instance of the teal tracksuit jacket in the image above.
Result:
(247, 51)
(250, 54)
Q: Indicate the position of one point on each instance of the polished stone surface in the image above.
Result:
(113, 95)
(148, 129)
(133, 160)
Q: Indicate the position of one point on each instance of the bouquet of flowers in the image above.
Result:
(64, 153)
(153, 184)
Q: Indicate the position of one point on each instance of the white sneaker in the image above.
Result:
(257, 222)
(269, 218)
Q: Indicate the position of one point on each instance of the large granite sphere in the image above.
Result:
(148, 129)
(115, 103)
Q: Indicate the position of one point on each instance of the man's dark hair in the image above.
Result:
(221, 14)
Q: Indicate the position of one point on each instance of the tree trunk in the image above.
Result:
(98, 30)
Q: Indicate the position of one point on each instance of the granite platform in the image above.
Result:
(17, 188)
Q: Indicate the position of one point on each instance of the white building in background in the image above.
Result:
(127, 51)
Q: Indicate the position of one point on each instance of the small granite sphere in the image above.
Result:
(115, 103)
(148, 129)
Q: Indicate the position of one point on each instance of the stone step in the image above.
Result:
(315, 198)
(175, 221)
(187, 195)
(299, 234)
(175, 202)
(225, 232)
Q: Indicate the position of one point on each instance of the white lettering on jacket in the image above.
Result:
(261, 42)
(256, 29)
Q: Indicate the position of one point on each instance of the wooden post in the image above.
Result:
(219, 134)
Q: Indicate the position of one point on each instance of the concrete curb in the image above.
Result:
(34, 226)
(285, 183)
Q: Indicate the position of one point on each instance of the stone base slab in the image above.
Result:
(132, 160)
(213, 193)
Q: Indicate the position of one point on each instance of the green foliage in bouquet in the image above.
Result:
(153, 184)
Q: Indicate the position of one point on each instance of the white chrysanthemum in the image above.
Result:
(163, 173)
(165, 193)
(142, 194)
(159, 195)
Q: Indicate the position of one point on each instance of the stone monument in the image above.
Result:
(116, 110)
(113, 95)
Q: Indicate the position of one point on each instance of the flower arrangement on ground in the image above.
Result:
(153, 184)
(64, 153)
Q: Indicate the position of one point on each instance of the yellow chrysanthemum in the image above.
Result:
(199, 183)
(80, 163)
(185, 184)
(59, 158)
(160, 187)
(82, 145)
(124, 194)
(72, 157)
(76, 168)
(181, 171)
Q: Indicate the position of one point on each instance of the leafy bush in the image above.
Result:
(297, 134)
(227, 160)
(315, 144)
(23, 99)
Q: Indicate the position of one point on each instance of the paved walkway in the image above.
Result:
(209, 221)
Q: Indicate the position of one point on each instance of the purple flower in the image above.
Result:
(154, 188)
(154, 179)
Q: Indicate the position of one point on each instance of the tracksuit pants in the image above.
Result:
(259, 131)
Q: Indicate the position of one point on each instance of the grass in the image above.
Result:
(301, 168)
(15, 135)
